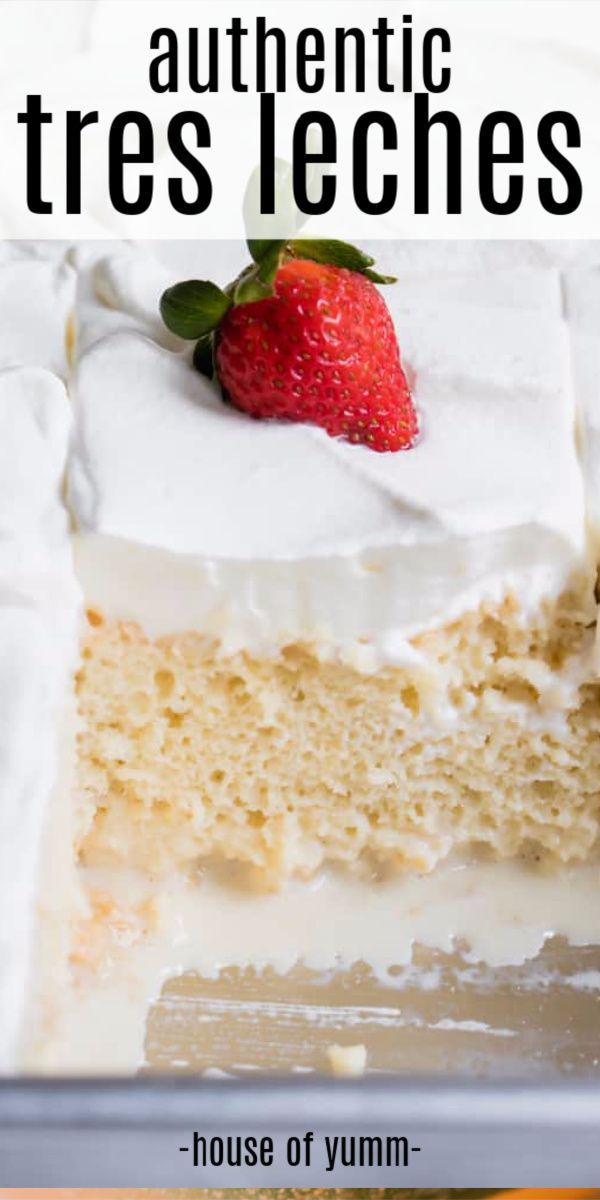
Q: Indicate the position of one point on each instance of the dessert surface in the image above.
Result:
(205, 481)
(298, 652)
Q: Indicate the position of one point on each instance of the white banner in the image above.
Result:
(148, 118)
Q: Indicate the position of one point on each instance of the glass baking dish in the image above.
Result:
(492, 1073)
(108, 1133)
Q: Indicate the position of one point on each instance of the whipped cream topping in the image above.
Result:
(38, 599)
(582, 302)
(192, 514)
(36, 300)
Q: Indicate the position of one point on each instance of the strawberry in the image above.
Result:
(303, 337)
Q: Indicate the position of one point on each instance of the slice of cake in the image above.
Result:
(301, 651)
(38, 608)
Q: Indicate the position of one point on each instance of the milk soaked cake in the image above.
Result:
(300, 651)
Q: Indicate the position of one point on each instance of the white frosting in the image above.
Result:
(192, 514)
(38, 600)
(36, 299)
(582, 300)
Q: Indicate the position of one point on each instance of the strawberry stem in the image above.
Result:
(195, 309)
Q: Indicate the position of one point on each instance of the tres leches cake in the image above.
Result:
(363, 634)
(302, 650)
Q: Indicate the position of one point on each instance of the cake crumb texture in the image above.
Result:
(347, 1062)
(491, 741)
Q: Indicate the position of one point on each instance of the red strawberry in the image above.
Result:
(318, 347)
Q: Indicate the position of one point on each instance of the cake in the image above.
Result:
(290, 651)
(300, 651)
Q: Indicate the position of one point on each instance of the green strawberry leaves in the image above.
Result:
(333, 252)
(203, 357)
(268, 256)
(194, 309)
(381, 279)
(249, 286)
(339, 254)
(257, 281)
(259, 248)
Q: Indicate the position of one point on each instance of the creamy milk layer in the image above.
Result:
(500, 913)
(190, 514)
(38, 599)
